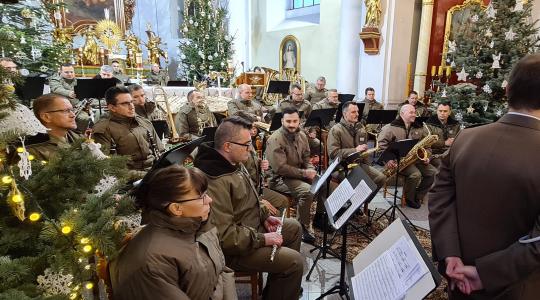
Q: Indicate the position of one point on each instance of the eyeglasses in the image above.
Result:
(204, 196)
(247, 145)
(129, 103)
(64, 111)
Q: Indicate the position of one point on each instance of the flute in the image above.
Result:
(274, 248)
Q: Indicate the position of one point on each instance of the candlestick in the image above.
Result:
(433, 70)
(440, 71)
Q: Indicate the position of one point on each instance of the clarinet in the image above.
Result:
(152, 143)
(261, 172)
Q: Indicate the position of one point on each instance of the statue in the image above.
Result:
(154, 52)
(90, 49)
(373, 13)
(133, 48)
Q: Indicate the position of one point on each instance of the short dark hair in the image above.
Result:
(43, 103)
(290, 110)
(523, 89)
(444, 103)
(190, 95)
(8, 59)
(346, 105)
(115, 61)
(112, 92)
(295, 86)
(66, 65)
(229, 128)
(169, 184)
(413, 92)
(134, 87)
(369, 89)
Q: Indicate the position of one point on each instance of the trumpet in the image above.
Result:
(274, 248)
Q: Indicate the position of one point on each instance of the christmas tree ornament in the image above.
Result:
(105, 184)
(504, 84)
(196, 24)
(496, 59)
(23, 40)
(21, 121)
(43, 69)
(498, 112)
(510, 35)
(203, 13)
(443, 95)
(16, 202)
(475, 18)
(479, 74)
(519, 6)
(210, 57)
(24, 72)
(95, 149)
(453, 64)
(190, 21)
(452, 46)
(489, 33)
(20, 56)
(24, 164)
(491, 11)
(459, 116)
(214, 24)
(470, 109)
(211, 67)
(55, 283)
(206, 36)
(487, 89)
(36, 53)
(492, 44)
(182, 56)
(462, 75)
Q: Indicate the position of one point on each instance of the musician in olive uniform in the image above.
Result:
(371, 103)
(296, 101)
(421, 109)
(194, 116)
(245, 104)
(143, 108)
(157, 76)
(118, 73)
(55, 112)
(420, 175)
(316, 93)
(446, 128)
(125, 133)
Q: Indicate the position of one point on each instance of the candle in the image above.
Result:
(448, 71)
(433, 70)
(219, 84)
(440, 71)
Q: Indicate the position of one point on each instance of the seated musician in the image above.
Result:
(157, 76)
(371, 103)
(446, 128)
(56, 113)
(315, 93)
(418, 176)
(177, 255)
(122, 132)
(287, 151)
(193, 117)
(246, 231)
(143, 108)
(296, 100)
(421, 109)
(244, 103)
(330, 101)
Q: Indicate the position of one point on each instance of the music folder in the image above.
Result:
(276, 120)
(339, 112)
(381, 116)
(320, 117)
(402, 267)
(352, 192)
(278, 87)
(93, 88)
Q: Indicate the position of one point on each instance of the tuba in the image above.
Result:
(159, 91)
(270, 74)
(418, 152)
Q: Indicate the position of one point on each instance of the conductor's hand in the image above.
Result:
(391, 164)
(271, 224)
(361, 148)
(272, 238)
(310, 173)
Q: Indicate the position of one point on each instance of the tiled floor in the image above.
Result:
(326, 273)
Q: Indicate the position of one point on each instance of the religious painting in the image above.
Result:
(81, 13)
(289, 54)
(459, 20)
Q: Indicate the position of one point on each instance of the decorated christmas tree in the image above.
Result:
(483, 57)
(206, 46)
(27, 36)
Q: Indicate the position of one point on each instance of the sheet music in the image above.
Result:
(339, 197)
(325, 175)
(360, 194)
(390, 275)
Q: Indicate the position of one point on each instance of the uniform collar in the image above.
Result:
(183, 224)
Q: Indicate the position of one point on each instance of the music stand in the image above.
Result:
(208, 133)
(321, 118)
(177, 83)
(381, 116)
(357, 188)
(395, 151)
(94, 88)
(421, 120)
(276, 120)
(30, 89)
(161, 127)
(278, 87)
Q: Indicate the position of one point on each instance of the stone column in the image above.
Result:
(422, 53)
(349, 46)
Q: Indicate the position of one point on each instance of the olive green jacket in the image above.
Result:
(444, 131)
(61, 86)
(45, 150)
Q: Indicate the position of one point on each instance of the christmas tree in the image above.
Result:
(500, 35)
(27, 36)
(206, 46)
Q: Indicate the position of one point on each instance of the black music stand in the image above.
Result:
(276, 120)
(339, 219)
(94, 89)
(177, 83)
(324, 248)
(421, 120)
(208, 133)
(395, 151)
(321, 118)
(30, 89)
(161, 127)
(278, 87)
(381, 116)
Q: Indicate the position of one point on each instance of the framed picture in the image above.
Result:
(458, 19)
(289, 54)
(82, 13)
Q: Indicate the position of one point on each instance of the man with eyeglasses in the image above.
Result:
(125, 133)
(55, 112)
(246, 230)
(296, 100)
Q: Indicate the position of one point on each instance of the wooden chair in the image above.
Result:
(385, 191)
(255, 279)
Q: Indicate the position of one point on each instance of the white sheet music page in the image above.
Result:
(327, 173)
(361, 192)
(390, 275)
(341, 194)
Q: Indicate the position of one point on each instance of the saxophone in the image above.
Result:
(418, 152)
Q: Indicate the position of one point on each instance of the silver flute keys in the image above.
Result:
(278, 231)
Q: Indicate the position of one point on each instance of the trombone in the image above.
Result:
(159, 91)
